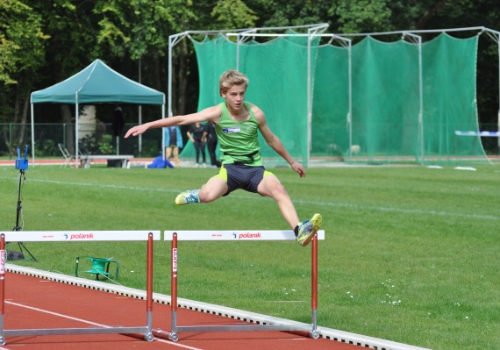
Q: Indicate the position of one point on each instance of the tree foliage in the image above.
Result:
(233, 14)
(43, 42)
(21, 40)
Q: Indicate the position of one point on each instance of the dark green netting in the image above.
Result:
(385, 100)
(214, 56)
(330, 133)
(279, 88)
(386, 122)
(277, 71)
(450, 98)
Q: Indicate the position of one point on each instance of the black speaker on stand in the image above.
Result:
(22, 166)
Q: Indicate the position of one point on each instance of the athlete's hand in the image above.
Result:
(136, 130)
(298, 168)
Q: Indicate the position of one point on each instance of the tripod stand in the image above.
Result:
(22, 165)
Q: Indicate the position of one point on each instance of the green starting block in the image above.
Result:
(99, 266)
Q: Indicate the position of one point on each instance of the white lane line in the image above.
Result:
(400, 210)
(176, 344)
(58, 314)
(90, 323)
(296, 201)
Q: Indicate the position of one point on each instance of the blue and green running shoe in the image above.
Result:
(307, 229)
(188, 197)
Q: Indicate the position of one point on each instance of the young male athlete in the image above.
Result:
(237, 123)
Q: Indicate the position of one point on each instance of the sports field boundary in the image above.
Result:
(251, 317)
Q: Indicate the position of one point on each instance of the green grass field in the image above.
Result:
(411, 254)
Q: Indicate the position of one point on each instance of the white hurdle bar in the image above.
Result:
(79, 236)
(247, 235)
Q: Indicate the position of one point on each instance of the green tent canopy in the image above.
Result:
(97, 83)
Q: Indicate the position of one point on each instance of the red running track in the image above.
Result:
(35, 303)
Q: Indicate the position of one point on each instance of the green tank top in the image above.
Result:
(238, 140)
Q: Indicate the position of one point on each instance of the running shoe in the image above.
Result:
(307, 229)
(188, 197)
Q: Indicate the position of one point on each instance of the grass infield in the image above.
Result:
(411, 253)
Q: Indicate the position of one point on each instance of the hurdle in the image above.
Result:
(251, 235)
(79, 236)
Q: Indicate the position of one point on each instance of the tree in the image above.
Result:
(43, 42)
(21, 40)
(141, 28)
(21, 53)
(232, 14)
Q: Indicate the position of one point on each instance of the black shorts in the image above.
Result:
(241, 176)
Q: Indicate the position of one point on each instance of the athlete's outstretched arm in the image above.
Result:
(211, 113)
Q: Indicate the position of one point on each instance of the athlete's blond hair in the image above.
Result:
(230, 78)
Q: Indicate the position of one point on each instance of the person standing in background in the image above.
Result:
(195, 134)
(211, 137)
(173, 143)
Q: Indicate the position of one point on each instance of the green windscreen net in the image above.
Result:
(278, 85)
(450, 99)
(378, 102)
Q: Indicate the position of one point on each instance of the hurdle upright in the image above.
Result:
(252, 235)
(85, 236)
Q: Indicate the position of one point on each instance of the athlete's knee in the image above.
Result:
(209, 194)
(277, 191)
(205, 196)
(281, 190)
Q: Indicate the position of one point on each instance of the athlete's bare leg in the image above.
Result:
(270, 186)
(213, 189)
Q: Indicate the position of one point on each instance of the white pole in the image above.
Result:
(498, 43)
(171, 43)
(238, 53)
(32, 133)
(240, 39)
(421, 101)
(349, 114)
(140, 111)
(345, 41)
(309, 102)
(311, 34)
(418, 38)
(77, 116)
(140, 136)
